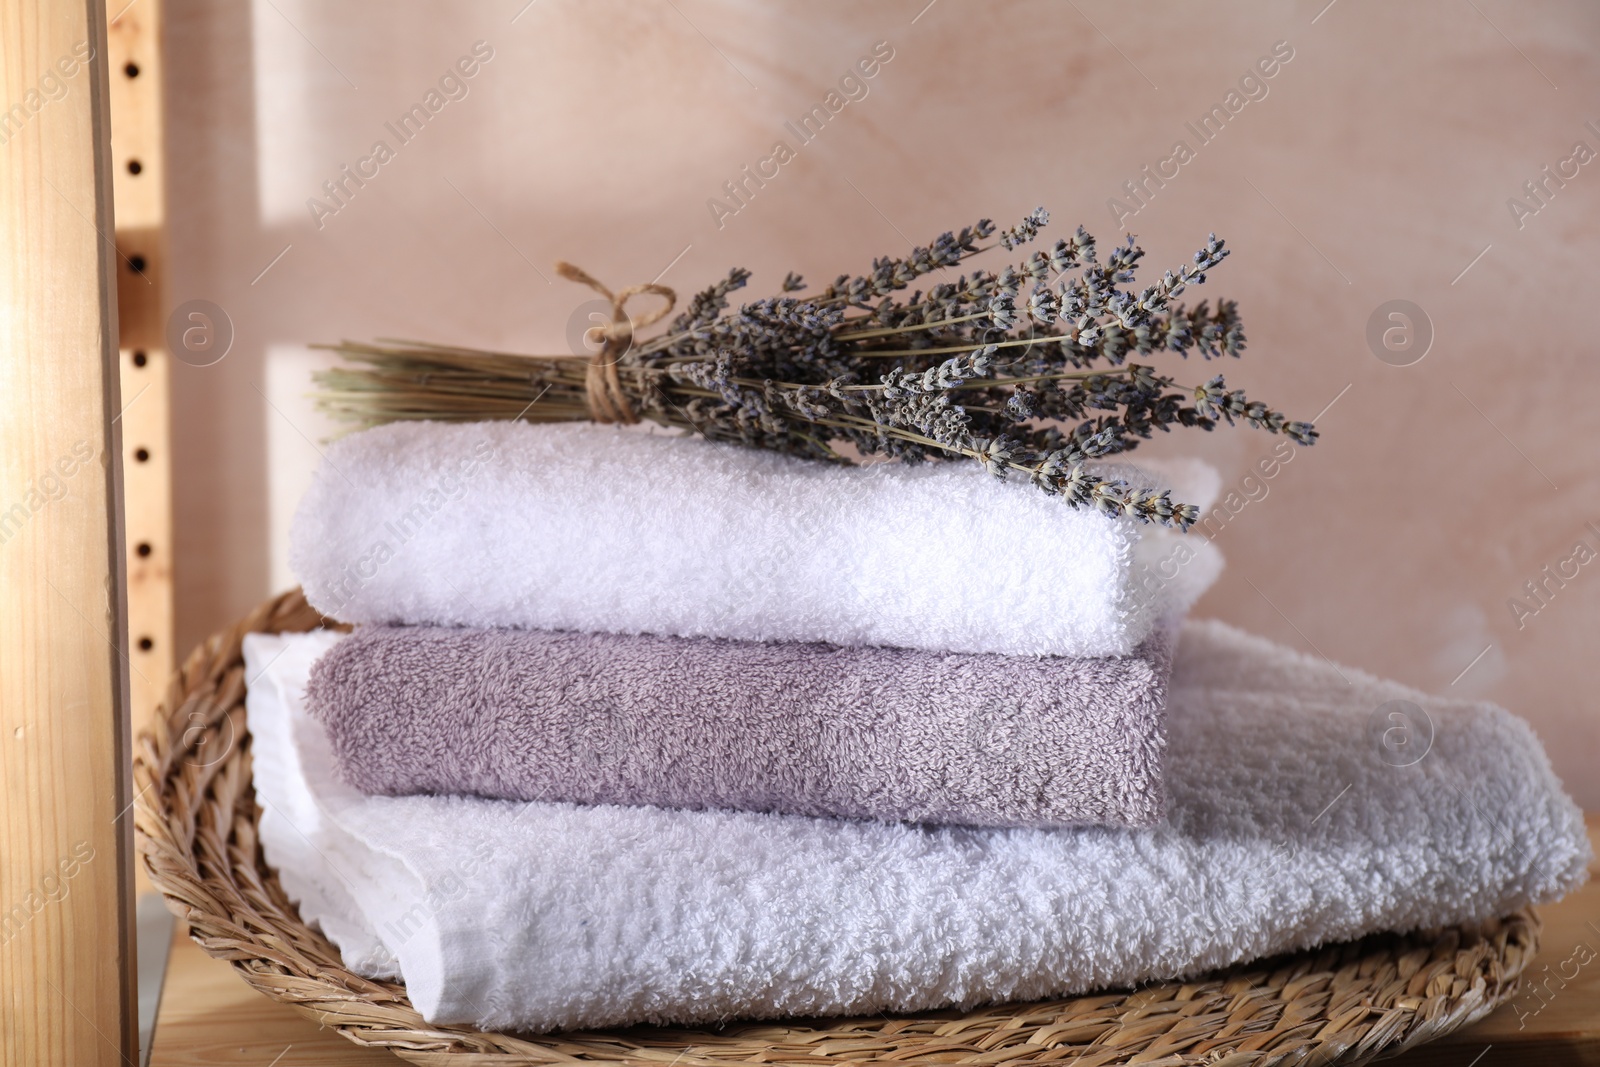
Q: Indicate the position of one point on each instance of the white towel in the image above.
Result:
(1299, 815)
(584, 527)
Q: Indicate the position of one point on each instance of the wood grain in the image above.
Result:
(66, 922)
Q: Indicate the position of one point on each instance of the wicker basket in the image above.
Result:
(1343, 1004)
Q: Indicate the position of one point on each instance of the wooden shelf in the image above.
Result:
(209, 1016)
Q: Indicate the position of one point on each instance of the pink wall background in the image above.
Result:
(1377, 166)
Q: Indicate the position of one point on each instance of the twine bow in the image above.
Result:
(602, 386)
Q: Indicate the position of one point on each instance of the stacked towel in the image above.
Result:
(582, 527)
(635, 728)
(582, 613)
(1289, 826)
(806, 729)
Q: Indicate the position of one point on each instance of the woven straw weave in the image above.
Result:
(1344, 1004)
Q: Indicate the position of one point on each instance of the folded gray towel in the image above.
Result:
(803, 729)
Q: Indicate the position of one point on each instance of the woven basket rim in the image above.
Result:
(195, 820)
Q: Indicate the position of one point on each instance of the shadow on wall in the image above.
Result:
(218, 417)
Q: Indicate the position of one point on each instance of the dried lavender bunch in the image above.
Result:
(1030, 371)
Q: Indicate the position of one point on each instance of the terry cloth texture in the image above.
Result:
(806, 729)
(1290, 824)
(597, 528)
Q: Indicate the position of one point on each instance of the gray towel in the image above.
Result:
(802, 729)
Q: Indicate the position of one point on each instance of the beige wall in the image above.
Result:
(1377, 167)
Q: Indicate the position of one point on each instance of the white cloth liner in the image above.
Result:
(585, 527)
(1289, 826)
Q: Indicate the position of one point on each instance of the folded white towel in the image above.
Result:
(584, 527)
(1299, 814)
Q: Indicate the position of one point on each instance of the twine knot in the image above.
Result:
(602, 385)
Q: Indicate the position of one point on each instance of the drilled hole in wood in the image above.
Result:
(146, 644)
(134, 166)
(137, 263)
(140, 359)
(131, 70)
(141, 454)
(143, 548)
